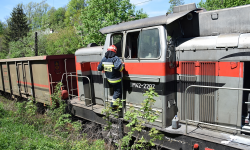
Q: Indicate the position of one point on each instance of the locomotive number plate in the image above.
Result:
(108, 68)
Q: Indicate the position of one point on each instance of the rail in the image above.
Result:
(214, 87)
(90, 99)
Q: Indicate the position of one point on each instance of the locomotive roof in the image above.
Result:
(152, 21)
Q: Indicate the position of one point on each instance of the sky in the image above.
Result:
(151, 7)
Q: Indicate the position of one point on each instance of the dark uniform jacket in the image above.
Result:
(112, 67)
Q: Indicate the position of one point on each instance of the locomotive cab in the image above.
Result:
(143, 51)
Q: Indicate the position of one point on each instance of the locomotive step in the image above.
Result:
(96, 108)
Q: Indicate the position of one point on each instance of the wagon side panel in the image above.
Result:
(40, 81)
(13, 77)
(1, 78)
(6, 78)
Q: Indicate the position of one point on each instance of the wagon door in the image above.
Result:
(24, 79)
(6, 78)
(56, 70)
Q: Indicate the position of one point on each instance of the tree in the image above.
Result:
(35, 12)
(64, 41)
(1, 28)
(17, 24)
(101, 13)
(73, 12)
(3, 50)
(25, 47)
(174, 3)
(219, 4)
(54, 18)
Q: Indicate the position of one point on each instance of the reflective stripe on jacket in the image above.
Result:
(112, 67)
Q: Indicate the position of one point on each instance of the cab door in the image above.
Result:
(116, 39)
(145, 67)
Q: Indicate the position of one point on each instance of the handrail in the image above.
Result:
(215, 87)
(67, 73)
(187, 120)
(89, 87)
(66, 79)
(65, 65)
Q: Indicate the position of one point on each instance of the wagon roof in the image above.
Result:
(38, 58)
(147, 22)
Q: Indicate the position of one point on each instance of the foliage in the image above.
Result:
(54, 19)
(31, 130)
(101, 13)
(17, 135)
(137, 125)
(25, 47)
(112, 113)
(174, 3)
(35, 12)
(88, 16)
(3, 42)
(220, 4)
(137, 119)
(17, 24)
(64, 41)
(74, 8)
(1, 28)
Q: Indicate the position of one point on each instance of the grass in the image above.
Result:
(23, 136)
(23, 128)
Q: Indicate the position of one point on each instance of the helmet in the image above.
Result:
(112, 48)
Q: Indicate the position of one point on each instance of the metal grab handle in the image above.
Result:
(214, 87)
(169, 54)
(89, 87)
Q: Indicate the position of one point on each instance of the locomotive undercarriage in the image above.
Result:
(173, 139)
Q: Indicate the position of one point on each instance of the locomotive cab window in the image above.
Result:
(131, 50)
(149, 44)
(116, 39)
(144, 44)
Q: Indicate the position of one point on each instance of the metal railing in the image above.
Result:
(90, 99)
(213, 87)
(67, 79)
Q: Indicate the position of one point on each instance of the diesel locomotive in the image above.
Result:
(196, 60)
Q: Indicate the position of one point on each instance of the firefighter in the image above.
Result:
(112, 66)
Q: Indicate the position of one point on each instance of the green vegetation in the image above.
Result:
(101, 13)
(22, 127)
(74, 26)
(65, 41)
(219, 4)
(136, 123)
(73, 12)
